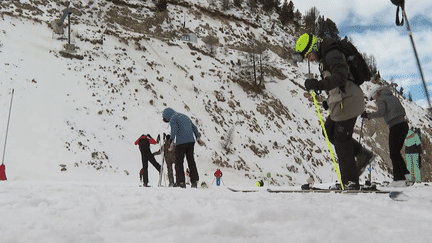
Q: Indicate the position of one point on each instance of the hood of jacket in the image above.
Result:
(385, 91)
(168, 113)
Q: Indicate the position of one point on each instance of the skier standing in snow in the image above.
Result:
(182, 132)
(144, 145)
(393, 112)
(169, 159)
(345, 102)
(218, 174)
(413, 152)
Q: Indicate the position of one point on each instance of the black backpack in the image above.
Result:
(356, 64)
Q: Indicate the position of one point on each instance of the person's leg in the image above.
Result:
(170, 171)
(410, 162)
(417, 172)
(145, 169)
(191, 162)
(344, 146)
(180, 151)
(154, 162)
(397, 137)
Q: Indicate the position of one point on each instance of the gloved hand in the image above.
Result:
(171, 147)
(313, 84)
(200, 142)
(365, 115)
(148, 135)
(325, 105)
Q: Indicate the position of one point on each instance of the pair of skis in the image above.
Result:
(395, 195)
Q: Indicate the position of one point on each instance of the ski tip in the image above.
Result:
(398, 196)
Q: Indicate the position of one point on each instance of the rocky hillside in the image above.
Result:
(131, 62)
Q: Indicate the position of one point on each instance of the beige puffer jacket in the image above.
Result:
(346, 98)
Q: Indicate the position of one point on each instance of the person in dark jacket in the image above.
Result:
(413, 151)
(169, 159)
(182, 132)
(390, 108)
(146, 155)
(345, 103)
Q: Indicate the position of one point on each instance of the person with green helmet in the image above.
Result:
(345, 102)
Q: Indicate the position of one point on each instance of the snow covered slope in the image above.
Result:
(87, 113)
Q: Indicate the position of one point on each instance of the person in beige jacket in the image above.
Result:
(345, 102)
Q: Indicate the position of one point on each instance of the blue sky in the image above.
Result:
(371, 25)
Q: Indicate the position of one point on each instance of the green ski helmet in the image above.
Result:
(305, 44)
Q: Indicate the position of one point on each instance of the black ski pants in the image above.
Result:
(397, 137)
(340, 135)
(146, 157)
(180, 151)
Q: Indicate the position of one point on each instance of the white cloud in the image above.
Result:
(336, 10)
(395, 58)
(408, 84)
(418, 7)
(367, 12)
(422, 103)
(392, 51)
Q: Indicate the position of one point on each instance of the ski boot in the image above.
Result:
(336, 186)
(352, 185)
(181, 185)
(368, 186)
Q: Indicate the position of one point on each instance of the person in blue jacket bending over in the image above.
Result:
(182, 132)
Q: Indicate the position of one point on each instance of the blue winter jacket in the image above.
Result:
(182, 127)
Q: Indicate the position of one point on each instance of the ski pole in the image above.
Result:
(222, 181)
(328, 141)
(213, 180)
(361, 130)
(401, 4)
(417, 58)
(7, 127)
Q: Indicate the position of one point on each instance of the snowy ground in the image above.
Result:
(79, 211)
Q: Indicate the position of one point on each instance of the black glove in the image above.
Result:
(365, 115)
(325, 105)
(313, 84)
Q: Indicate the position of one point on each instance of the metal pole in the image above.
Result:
(417, 58)
(7, 128)
(361, 130)
(69, 28)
